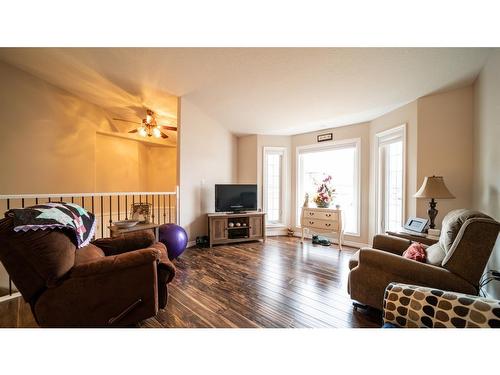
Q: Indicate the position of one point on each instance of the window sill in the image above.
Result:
(270, 225)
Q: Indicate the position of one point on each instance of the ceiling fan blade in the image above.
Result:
(169, 127)
(133, 131)
(133, 122)
(163, 135)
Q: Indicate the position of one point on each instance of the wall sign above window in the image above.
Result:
(325, 137)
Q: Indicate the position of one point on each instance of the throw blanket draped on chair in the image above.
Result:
(79, 222)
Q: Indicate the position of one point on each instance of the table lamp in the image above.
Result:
(433, 188)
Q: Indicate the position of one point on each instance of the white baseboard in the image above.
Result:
(357, 245)
(191, 244)
(276, 231)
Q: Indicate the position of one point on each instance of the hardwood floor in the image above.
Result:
(279, 283)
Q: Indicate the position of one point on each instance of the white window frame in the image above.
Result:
(283, 152)
(356, 142)
(383, 138)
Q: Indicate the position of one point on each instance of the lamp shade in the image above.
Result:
(434, 187)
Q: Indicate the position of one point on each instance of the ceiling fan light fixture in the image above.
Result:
(143, 132)
(156, 132)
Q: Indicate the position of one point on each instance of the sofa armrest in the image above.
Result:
(390, 244)
(403, 270)
(116, 263)
(411, 306)
(125, 242)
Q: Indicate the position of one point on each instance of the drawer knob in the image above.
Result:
(311, 222)
(328, 215)
(328, 224)
(311, 213)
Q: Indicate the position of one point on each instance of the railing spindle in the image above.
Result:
(169, 212)
(164, 212)
(126, 208)
(118, 197)
(22, 202)
(110, 211)
(93, 210)
(102, 217)
(152, 208)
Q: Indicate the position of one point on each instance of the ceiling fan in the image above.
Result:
(149, 127)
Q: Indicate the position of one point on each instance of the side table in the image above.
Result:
(415, 238)
(115, 231)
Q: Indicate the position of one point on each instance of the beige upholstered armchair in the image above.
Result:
(455, 263)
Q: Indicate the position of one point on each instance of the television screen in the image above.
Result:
(235, 198)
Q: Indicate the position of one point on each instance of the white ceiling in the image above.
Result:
(255, 90)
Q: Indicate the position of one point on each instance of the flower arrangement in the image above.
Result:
(324, 192)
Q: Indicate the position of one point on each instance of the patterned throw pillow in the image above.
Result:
(416, 252)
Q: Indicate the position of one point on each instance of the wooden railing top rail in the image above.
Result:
(69, 195)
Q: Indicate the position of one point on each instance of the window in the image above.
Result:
(390, 179)
(339, 160)
(274, 184)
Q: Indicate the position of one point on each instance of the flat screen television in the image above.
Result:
(235, 197)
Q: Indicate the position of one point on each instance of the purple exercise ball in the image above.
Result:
(174, 238)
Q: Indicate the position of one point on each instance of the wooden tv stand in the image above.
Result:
(223, 228)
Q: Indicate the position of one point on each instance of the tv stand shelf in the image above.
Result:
(224, 228)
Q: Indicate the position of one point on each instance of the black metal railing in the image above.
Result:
(107, 207)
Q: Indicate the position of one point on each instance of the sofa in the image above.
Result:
(455, 263)
(112, 282)
(413, 306)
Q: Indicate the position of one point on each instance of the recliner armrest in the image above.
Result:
(125, 242)
(116, 263)
(390, 244)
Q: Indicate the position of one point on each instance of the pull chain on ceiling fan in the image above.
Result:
(149, 127)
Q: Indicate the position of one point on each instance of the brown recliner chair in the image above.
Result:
(111, 282)
(455, 263)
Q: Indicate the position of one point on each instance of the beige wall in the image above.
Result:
(247, 159)
(208, 156)
(47, 137)
(162, 168)
(445, 133)
(49, 144)
(120, 166)
(361, 131)
(486, 194)
(407, 115)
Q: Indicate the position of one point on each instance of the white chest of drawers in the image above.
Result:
(322, 220)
